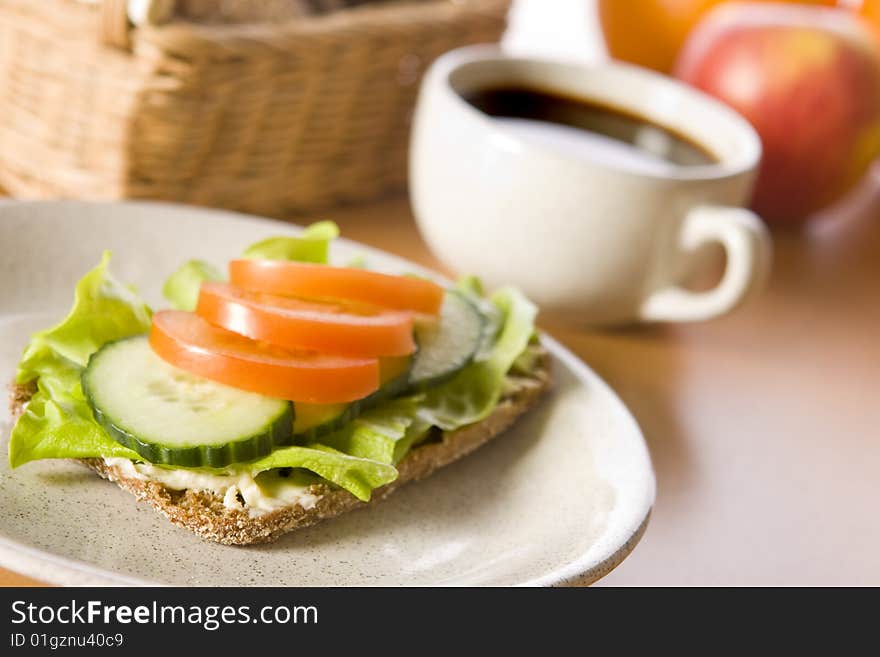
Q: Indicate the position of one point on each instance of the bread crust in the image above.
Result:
(204, 512)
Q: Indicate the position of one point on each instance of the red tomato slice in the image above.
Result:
(187, 341)
(302, 279)
(336, 328)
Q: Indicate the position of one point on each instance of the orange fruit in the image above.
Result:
(651, 32)
(870, 11)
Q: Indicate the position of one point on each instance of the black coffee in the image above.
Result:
(589, 128)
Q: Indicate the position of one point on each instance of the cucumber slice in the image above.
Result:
(316, 420)
(447, 345)
(172, 417)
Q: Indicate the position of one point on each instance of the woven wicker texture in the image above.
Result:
(267, 118)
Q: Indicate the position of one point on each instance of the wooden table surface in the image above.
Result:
(763, 426)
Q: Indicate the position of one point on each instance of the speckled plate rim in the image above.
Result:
(589, 568)
(586, 569)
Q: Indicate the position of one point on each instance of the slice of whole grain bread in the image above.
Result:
(204, 512)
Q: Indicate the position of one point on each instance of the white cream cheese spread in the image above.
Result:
(262, 493)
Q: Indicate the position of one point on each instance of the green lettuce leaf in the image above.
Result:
(312, 246)
(57, 422)
(416, 432)
(103, 310)
(57, 426)
(359, 476)
(474, 392)
(182, 287)
(379, 434)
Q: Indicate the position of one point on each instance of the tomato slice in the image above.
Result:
(187, 341)
(336, 328)
(302, 279)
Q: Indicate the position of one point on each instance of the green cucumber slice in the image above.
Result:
(316, 420)
(447, 345)
(172, 417)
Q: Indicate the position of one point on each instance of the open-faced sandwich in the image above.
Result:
(288, 392)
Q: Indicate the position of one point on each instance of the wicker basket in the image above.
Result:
(267, 118)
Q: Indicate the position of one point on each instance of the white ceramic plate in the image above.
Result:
(561, 498)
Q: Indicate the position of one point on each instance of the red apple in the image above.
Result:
(808, 79)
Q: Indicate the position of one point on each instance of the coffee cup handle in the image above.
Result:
(748, 246)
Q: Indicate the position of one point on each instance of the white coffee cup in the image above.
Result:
(588, 240)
